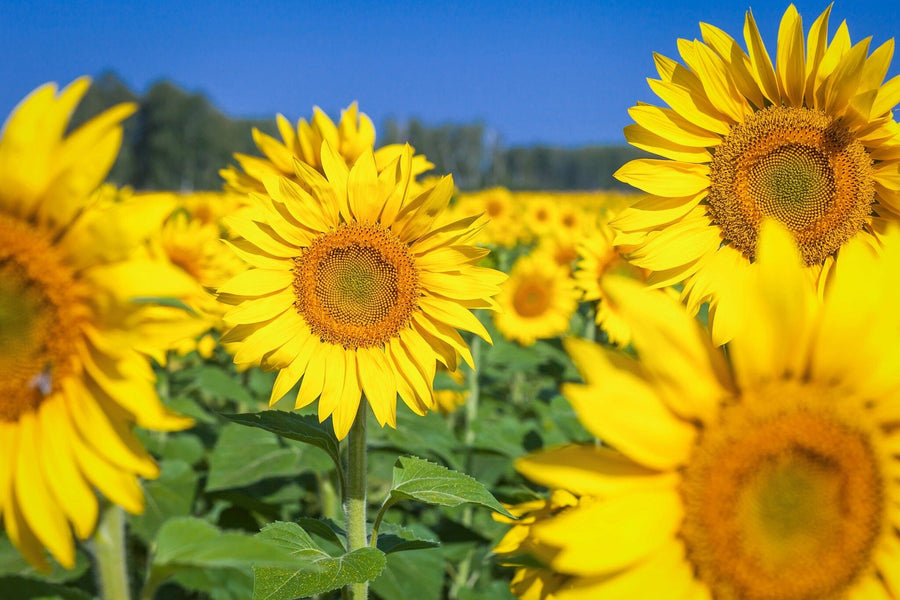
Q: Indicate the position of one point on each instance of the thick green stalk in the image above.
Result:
(109, 554)
(355, 505)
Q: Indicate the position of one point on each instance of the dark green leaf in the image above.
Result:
(330, 572)
(219, 584)
(12, 563)
(188, 541)
(171, 495)
(20, 588)
(328, 531)
(411, 576)
(418, 479)
(393, 538)
(243, 456)
(302, 428)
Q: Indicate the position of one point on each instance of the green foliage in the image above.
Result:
(417, 479)
(316, 570)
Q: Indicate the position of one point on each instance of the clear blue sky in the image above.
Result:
(551, 72)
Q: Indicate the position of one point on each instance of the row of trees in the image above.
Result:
(179, 141)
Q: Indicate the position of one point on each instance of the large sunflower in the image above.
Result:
(354, 289)
(350, 138)
(769, 473)
(810, 141)
(72, 384)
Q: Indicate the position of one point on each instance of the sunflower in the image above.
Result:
(766, 473)
(73, 384)
(540, 212)
(810, 141)
(498, 204)
(350, 139)
(354, 289)
(194, 247)
(597, 259)
(537, 301)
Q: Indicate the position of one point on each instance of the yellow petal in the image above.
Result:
(670, 125)
(345, 412)
(590, 470)
(692, 107)
(664, 177)
(378, 382)
(644, 139)
(42, 514)
(790, 71)
(258, 282)
(760, 62)
(674, 348)
(772, 340)
(664, 574)
(632, 527)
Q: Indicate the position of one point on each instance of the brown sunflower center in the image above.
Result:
(784, 500)
(356, 286)
(532, 298)
(39, 319)
(796, 165)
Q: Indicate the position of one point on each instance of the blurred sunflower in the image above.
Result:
(809, 141)
(541, 213)
(537, 301)
(71, 266)
(194, 247)
(498, 204)
(766, 473)
(354, 289)
(597, 259)
(350, 138)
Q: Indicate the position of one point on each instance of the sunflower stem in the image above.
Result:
(355, 505)
(109, 554)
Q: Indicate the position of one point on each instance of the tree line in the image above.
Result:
(178, 141)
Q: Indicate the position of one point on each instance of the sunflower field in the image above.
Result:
(342, 377)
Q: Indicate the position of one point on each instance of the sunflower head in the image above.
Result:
(766, 472)
(73, 265)
(352, 136)
(355, 286)
(807, 139)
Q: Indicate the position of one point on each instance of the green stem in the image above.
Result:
(461, 578)
(590, 326)
(356, 493)
(109, 554)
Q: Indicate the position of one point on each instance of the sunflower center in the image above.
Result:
(784, 499)
(356, 286)
(796, 165)
(38, 319)
(531, 299)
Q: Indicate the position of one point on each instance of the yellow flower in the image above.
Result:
(810, 141)
(598, 258)
(503, 228)
(769, 472)
(354, 289)
(537, 301)
(531, 582)
(72, 383)
(350, 139)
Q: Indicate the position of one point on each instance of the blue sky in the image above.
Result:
(561, 73)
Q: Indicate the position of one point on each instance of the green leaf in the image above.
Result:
(218, 584)
(302, 428)
(243, 456)
(411, 576)
(327, 530)
(171, 495)
(20, 588)
(12, 563)
(417, 479)
(393, 538)
(330, 572)
(188, 541)
(215, 382)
